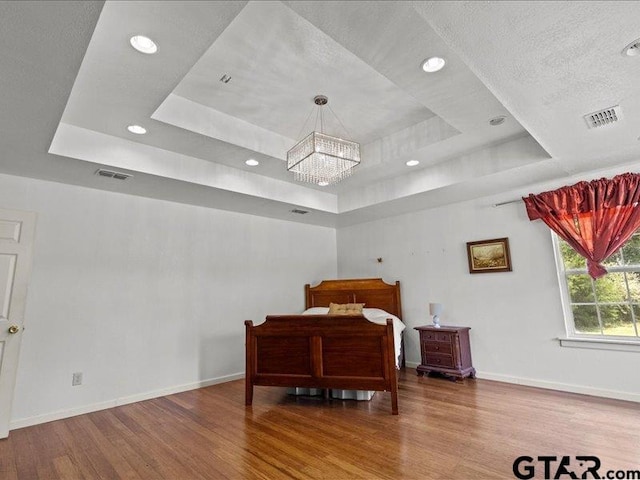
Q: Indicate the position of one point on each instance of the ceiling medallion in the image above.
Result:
(320, 158)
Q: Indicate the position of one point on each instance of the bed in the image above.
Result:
(328, 351)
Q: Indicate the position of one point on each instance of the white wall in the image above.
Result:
(515, 316)
(145, 296)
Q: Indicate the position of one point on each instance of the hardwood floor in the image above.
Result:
(445, 430)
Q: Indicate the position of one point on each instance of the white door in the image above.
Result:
(16, 238)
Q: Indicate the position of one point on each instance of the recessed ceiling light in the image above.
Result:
(433, 64)
(137, 129)
(143, 44)
(252, 163)
(412, 163)
(499, 120)
(323, 184)
(633, 49)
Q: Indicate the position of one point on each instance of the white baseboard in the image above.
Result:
(49, 417)
(562, 387)
(116, 402)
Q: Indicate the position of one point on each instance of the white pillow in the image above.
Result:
(316, 311)
(376, 312)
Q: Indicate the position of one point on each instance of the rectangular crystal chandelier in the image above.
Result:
(322, 159)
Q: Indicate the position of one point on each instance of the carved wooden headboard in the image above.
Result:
(373, 292)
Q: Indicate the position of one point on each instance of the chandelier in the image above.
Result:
(320, 158)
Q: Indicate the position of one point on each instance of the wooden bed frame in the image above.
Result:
(327, 351)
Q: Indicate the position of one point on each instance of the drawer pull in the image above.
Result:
(437, 348)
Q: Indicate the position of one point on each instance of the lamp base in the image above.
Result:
(436, 321)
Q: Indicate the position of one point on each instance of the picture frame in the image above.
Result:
(489, 256)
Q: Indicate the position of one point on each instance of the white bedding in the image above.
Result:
(374, 315)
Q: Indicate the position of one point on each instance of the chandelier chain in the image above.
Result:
(304, 124)
(341, 124)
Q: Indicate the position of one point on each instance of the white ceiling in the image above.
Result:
(72, 84)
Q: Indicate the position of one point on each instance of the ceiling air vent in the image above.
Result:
(111, 174)
(298, 211)
(603, 117)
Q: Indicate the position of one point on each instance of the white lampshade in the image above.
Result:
(435, 308)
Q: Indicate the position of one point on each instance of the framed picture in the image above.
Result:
(488, 256)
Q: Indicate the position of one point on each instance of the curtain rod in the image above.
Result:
(507, 202)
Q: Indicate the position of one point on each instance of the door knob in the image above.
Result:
(14, 329)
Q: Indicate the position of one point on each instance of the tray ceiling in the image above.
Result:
(366, 57)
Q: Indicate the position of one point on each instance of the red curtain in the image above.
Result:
(596, 218)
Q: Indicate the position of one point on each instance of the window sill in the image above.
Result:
(600, 344)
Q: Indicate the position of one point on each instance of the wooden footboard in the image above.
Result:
(321, 351)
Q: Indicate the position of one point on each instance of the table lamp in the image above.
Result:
(435, 309)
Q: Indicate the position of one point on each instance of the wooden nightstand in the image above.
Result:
(445, 350)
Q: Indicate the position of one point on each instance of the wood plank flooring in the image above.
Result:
(445, 430)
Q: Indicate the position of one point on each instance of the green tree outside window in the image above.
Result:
(610, 305)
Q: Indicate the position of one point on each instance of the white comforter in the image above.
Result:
(374, 315)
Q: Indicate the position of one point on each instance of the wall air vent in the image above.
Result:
(298, 211)
(603, 117)
(111, 174)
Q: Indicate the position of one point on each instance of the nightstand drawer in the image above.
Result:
(436, 336)
(438, 347)
(439, 360)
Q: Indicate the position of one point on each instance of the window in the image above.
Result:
(606, 308)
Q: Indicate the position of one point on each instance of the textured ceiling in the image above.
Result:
(275, 76)
(541, 64)
(551, 63)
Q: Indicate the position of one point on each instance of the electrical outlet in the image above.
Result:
(77, 379)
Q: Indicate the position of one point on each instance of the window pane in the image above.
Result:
(636, 311)
(609, 305)
(580, 289)
(616, 320)
(613, 260)
(586, 319)
(570, 257)
(633, 279)
(631, 250)
(611, 288)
